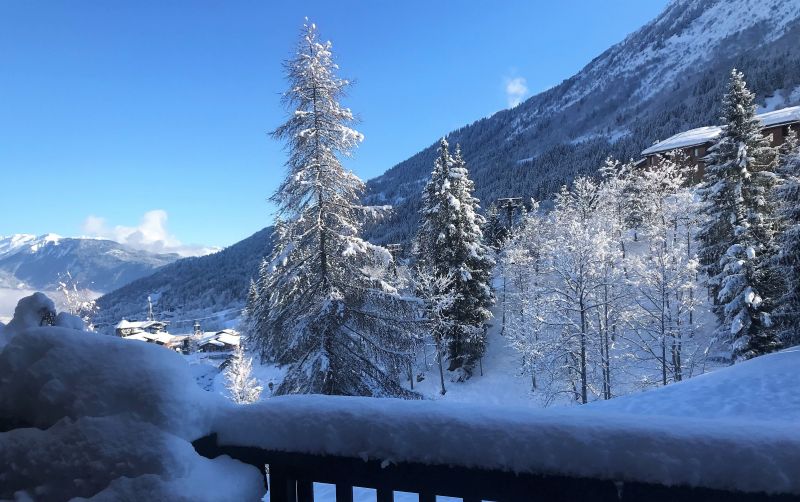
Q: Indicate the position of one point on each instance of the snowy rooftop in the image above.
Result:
(228, 339)
(138, 324)
(703, 135)
(225, 336)
(161, 337)
(778, 117)
(685, 139)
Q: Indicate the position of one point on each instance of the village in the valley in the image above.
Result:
(155, 331)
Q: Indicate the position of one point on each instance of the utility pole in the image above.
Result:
(510, 204)
(149, 308)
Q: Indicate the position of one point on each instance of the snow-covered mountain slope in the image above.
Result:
(666, 77)
(37, 262)
(209, 288)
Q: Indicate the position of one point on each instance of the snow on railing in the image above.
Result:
(479, 453)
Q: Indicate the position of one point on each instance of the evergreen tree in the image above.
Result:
(249, 315)
(326, 308)
(243, 388)
(788, 258)
(737, 237)
(450, 245)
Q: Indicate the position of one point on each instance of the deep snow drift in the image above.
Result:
(85, 415)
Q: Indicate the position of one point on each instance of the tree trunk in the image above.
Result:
(441, 368)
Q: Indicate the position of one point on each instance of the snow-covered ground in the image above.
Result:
(501, 384)
(119, 417)
(732, 429)
(207, 373)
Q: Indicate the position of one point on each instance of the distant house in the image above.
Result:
(128, 328)
(159, 338)
(218, 341)
(150, 332)
(695, 143)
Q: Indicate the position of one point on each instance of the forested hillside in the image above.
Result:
(666, 77)
(191, 288)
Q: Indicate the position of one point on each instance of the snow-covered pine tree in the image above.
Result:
(241, 385)
(737, 236)
(325, 306)
(450, 244)
(249, 314)
(788, 257)
(473, 280)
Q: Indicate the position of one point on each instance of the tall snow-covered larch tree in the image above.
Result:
(450, 245)
(327, 309)
(737, 236)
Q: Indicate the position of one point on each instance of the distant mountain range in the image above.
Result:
(666, 77)
(39, 262)
(209, 288)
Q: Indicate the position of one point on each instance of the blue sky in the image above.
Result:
(152, 116)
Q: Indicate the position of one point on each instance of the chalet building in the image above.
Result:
(149, 331)
(225, 340)
(159, 338)
(218, 341)
(696, 142)
(128, 328)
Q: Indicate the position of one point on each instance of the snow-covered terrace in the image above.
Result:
(703, 135)
(85, 415)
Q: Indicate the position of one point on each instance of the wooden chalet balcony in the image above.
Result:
(291, 477)
(387, 468)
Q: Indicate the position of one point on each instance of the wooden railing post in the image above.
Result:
(279, 486)
(344, 493)
(385, 495)
(305, 491)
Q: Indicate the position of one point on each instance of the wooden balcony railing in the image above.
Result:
(291, 476)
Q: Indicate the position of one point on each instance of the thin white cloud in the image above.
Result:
(516, 90)
(150, 235)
